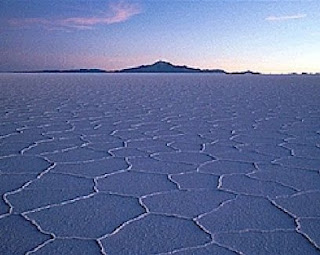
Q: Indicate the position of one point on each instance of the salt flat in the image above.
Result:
(159, 164)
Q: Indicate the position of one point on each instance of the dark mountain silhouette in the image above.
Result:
(245, 72)
(166, 67)
(157, 67)
(67, 71)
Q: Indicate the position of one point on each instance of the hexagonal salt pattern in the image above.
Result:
(159, 164)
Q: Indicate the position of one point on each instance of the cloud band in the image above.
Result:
(283, 18)
(117, 13)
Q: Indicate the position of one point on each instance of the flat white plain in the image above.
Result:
(159, 164)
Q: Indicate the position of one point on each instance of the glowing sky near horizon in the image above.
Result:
(267, 36)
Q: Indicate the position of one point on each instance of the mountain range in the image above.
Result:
(166, 67)
(157, 67)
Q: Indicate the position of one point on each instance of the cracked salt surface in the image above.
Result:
(152, 164)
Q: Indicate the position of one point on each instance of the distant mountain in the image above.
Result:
(245, 72)
(157, 67)
(166, 67)
(67, 71)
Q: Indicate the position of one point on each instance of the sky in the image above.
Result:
(274, 36)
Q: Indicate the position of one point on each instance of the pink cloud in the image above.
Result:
(117, 13)
(283, 18)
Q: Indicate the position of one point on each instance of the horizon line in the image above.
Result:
(101, 70)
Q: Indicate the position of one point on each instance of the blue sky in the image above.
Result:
(267, 36)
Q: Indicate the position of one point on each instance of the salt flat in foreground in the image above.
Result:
(159, 164)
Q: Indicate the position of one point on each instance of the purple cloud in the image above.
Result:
(117, 13)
